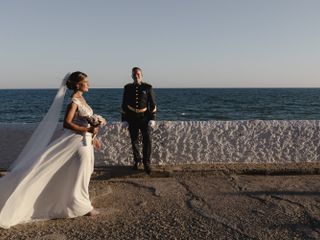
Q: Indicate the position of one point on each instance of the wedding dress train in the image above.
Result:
(53, 182)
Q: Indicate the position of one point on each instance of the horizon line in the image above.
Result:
(52, 88)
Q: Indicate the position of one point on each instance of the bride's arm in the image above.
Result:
(71, 110)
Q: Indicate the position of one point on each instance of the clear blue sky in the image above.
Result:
(178, 43)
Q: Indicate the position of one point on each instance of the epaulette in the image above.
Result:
(147, 84)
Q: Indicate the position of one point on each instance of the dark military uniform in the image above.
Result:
(138, 108)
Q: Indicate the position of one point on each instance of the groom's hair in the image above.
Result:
(136, 69)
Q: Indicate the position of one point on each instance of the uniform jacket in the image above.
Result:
(138, 96)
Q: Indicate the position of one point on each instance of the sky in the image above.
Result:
(177, 43)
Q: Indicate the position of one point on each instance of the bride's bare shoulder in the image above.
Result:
(76, 100)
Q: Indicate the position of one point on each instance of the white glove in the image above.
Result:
(152, 123)
(125, 124)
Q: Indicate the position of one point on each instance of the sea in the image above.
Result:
(178, 104)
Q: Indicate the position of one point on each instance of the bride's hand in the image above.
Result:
(93, 130)
(96, 144)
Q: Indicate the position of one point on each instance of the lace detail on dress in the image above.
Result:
(83, 112)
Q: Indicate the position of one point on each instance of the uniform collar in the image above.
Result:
(136, 84)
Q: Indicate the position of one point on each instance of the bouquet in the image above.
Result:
(96, 120)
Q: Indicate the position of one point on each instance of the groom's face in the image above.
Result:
(137, 76)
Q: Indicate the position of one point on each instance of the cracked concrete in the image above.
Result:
(190, 205)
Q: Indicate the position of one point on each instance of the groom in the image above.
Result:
(139, 114)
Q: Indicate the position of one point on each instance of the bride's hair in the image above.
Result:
(75, 78)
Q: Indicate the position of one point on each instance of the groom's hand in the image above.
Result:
(152, 124)
(125, 125)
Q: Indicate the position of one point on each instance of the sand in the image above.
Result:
(193, 202)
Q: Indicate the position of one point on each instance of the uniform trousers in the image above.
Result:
(139, 122)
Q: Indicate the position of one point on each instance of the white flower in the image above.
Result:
(97, 120)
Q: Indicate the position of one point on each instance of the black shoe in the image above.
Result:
(147, 169)
(135, 166)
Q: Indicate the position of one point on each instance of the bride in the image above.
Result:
(50, 179)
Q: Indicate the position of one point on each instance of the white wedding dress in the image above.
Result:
(51, 182)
